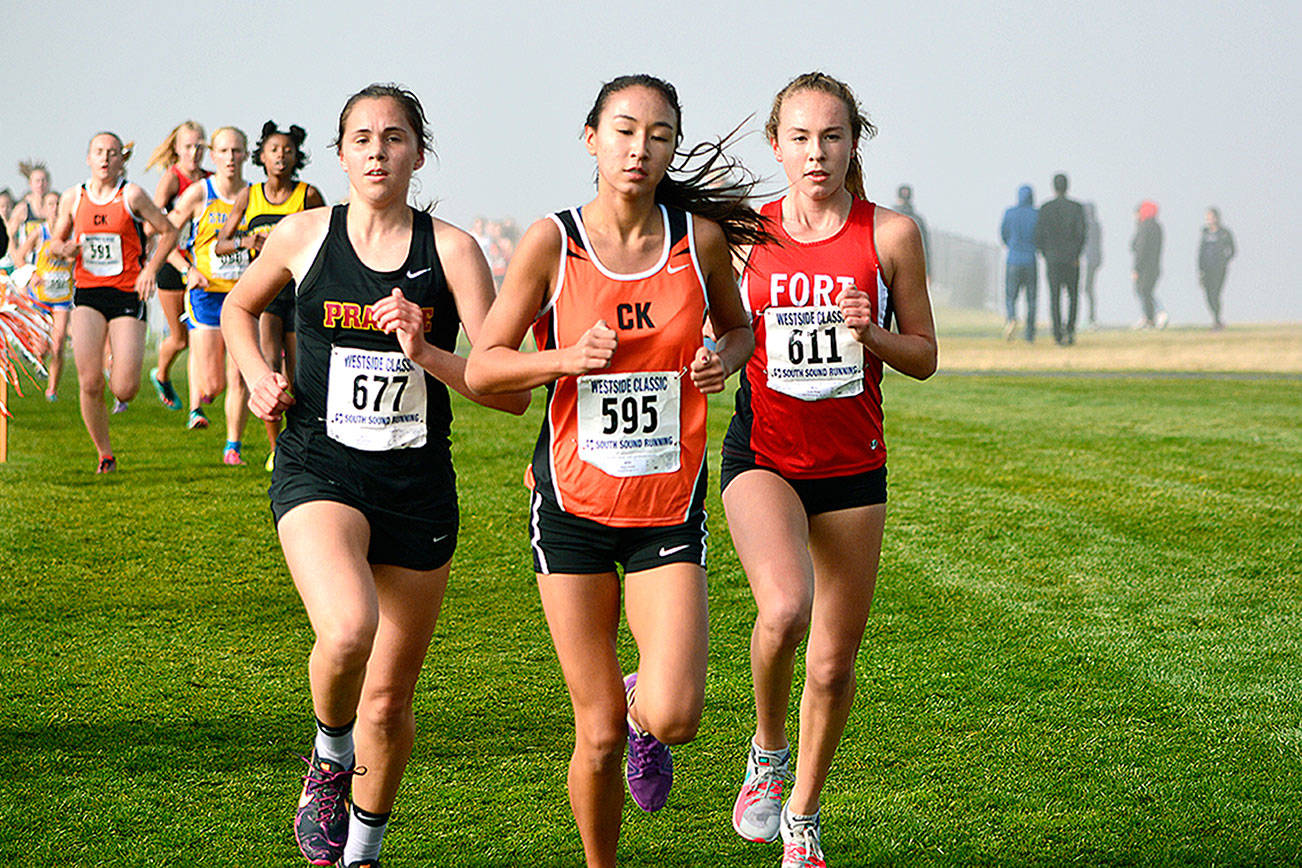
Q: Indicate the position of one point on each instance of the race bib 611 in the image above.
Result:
(812, 354)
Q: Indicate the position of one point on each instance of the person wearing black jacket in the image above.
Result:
(1060, 238)
(1215, 250)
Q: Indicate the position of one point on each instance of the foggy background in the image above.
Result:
(1190, 104)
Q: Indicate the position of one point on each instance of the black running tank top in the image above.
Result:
(333, 307)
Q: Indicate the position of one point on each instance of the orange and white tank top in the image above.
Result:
(625, 445)
(112, 241)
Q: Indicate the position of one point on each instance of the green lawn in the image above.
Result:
(1085, 647)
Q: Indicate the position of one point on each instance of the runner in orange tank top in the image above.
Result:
(113, 280)
(619, 290)
(804, 472)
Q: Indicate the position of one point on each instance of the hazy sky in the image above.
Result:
(1190, 104)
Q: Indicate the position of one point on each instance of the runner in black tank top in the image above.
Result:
(363, 489)
(334, 312)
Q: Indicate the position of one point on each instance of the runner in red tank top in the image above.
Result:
(620, 289)
(804, 472)
(113, 280)
(180, 157)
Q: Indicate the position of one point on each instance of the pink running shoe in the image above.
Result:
(801, 845)
(756, 815)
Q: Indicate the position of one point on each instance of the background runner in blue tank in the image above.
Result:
(212, 369)
(373, 615)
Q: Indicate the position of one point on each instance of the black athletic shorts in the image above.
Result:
(565, 543)
(169, 278)
(827, 494)
(283, 306)
(109, 301)
(417, 539)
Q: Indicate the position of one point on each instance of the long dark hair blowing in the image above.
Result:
(861, 129)
(703, 179)
(295, 134)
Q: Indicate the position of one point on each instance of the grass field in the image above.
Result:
(1085, 647)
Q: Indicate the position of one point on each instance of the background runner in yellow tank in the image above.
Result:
(256, 211)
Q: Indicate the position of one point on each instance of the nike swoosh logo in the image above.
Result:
(439, 539)
(412, 275)
(673, 270)
(664, 552)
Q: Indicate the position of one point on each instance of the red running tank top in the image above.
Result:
(809, 403)
(625, 446)
(182, 183)
(112, 241)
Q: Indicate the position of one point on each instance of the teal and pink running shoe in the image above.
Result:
(757, 813)
(801, 842)
(321, 823)
(650, 769)
(166, 393)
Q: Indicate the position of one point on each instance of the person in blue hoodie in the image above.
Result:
(1018, 232)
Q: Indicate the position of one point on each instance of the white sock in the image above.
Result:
(775, 757)
(365, 836)
(335, 743)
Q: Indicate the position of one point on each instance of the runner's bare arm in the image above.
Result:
(226, 242)
(734, 340)
(471, 284)
(154, 217)
(496, 362)
(912, 349)
(290, 248)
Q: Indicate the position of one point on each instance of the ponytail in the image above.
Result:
(164, 156)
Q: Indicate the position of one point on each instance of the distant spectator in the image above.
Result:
(1060, 238)
(1093, 258)
(1147, 247)
(904, 204)
(1018, 232)
(1214, 253)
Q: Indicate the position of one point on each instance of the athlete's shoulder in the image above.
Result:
(543, 236)
(455, 245)
(303, 224)
(892, 226)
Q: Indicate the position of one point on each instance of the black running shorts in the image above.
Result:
(109, 301)
(417, 539)
(565, 543)
(827, 494)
